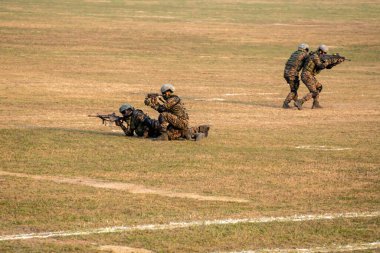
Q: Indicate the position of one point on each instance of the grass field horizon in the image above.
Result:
(63, 171)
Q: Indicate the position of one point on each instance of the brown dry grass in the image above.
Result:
(61, 62)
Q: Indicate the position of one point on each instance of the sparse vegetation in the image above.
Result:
(63, 60)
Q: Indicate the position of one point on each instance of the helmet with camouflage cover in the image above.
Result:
(125, 107)
(303, 46)
(323, 48)
(166, 87)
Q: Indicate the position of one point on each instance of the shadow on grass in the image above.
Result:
(75, 130)
(253, 103)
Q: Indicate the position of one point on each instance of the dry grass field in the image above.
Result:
(62, 171)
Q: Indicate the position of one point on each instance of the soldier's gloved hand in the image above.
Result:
(118, 122)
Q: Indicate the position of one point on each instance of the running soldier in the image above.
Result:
(291, 72)
(313, 66)
(173, 118)
(137, 122)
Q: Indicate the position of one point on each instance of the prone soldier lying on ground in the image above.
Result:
(173, 118)
(136, 120)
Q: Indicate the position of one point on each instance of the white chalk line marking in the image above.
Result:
(327, 148)
(332, 248)
(176, 225)
(131, 188)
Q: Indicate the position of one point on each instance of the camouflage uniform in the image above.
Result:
(173, 118)
(173, 114)
(313, 66)
(141, 124)
(292, 67)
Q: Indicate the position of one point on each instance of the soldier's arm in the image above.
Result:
(127, 130)
(168, 104)
(319, 64)
(303, 58)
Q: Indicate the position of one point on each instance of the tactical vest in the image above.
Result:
(311, 64)
(295, 63)
(136, 122)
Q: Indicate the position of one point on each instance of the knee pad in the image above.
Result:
(319, 89)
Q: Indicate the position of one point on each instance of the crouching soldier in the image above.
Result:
(173, 118)
(137, 122)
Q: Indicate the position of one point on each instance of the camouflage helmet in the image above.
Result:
(303, 46)
(323, 48)
(125, 107)
(167, 87)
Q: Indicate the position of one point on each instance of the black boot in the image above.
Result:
(204, 129)
(316, 105)
(299, 104)
(285, 105)
(199, 136)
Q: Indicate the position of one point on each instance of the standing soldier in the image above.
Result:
(313, 66)
(292, 67)
(137, 122)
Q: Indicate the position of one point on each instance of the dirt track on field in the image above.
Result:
(131, 188)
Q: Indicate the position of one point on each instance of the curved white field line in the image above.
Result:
(332, 248)
(175, 225)
(326, 148)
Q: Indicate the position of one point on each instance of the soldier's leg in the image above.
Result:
(168, 118)
(152, 127)
(164, 124)
(316, 104)
(295, 89)
(174, 134)
(310, 83)
(291, 94)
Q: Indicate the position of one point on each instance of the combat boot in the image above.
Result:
(299, 104)
(204, 129)
(316, 105)
(199, 136)
(163, 137)
(285, 105)
(187, 134)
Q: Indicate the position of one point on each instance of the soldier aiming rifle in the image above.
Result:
(137, 122)
(315, 63)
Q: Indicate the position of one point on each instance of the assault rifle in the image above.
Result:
(333, 59)
(108, 119)
(151, 99)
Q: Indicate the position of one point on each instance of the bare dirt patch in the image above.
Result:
(132, 188)
(123, 249)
